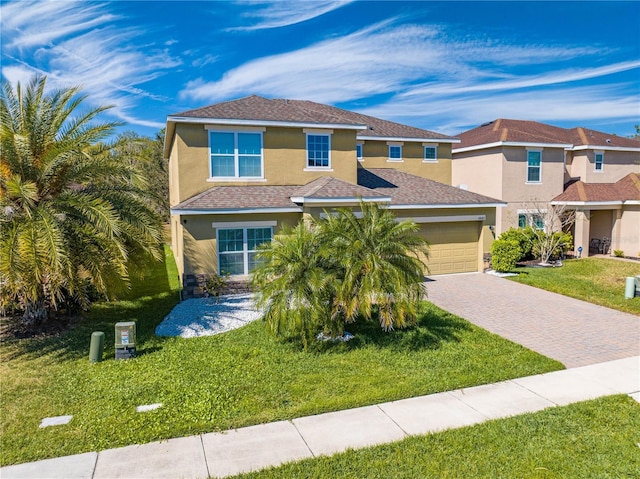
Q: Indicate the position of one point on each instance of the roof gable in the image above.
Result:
(625, 189)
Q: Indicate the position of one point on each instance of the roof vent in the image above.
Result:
(487, 123)
(608, 140)
(371, 128)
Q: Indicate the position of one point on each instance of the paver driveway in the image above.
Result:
(574, 332)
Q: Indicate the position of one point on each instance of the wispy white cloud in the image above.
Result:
(382, 59)
(453, 114)
(282, 13)
(81, 44)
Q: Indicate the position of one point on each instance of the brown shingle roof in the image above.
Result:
(376, 183)
(522, 131)
(328, 187)
(240, 197)
(626, 189)
(406, 189)
(302, 111)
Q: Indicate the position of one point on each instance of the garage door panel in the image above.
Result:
(454, 247)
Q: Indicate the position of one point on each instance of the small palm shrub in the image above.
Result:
(618, 253)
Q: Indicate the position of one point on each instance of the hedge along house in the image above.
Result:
(241, 170)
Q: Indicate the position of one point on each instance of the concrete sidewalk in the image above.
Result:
(256, 447)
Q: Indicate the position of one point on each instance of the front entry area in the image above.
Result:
(454, 246)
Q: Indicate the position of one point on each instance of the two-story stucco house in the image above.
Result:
(240, 170)
(528, 164)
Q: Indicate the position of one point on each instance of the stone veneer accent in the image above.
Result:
(192, 286)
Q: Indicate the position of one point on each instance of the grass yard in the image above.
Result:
(597, 280)
(593, 439)
(236, 379)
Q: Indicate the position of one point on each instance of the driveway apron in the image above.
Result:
(574, 332)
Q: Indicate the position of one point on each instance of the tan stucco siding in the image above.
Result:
(629, 240)
(174, 178)
(192, 147)
(199, 237)
(285, 157)
(480, 171)
(376, 155)
(617, 164)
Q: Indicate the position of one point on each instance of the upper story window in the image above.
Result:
(598, 162)
(395, 152)
(235, 154)
(318, 148)
(359, 152)
(534, 166)
(430, 153)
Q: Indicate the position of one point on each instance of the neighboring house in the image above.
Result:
(527, 164)
(242, 169)
(607, 214)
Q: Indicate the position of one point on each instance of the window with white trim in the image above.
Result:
(359, 151)
(237, 248)
(318, 151)
(534, 166)
(530, 219)
(395, 152)
(430, 153)
(235, 154)
(598, 164)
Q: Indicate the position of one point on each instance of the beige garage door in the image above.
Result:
(454, 246)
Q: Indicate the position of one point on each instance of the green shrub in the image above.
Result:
(505, 255)
(618, 253)
(525, 237)
(214, 284)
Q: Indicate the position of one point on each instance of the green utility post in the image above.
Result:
(97, 346)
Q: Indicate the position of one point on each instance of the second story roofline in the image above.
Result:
(258, 111)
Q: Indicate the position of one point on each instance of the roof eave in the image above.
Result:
(607, 148)
(407, 139)
(495, 144)
(233, 211)
(446, 205)
(249, 122)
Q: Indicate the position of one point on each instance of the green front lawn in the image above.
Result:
(597, 280)
(236, 379)
(593, 439)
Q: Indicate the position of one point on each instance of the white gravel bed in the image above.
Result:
(207, 316)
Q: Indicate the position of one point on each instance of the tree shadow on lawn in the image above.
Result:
(433, 328)
(73, 342)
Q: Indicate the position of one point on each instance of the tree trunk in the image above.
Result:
(35, 312)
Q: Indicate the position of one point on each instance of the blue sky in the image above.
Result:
(443, 66)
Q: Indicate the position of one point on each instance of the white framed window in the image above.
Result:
(237, 248)
(430, 153)
(395, 152)
(235, 154)
(359, 147)
(530, 219)
(534, 166)
(598, 162)
(318, 150)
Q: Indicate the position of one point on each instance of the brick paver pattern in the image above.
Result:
(574, 332)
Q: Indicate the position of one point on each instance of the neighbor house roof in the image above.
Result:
(504, 132)
(259, 111)
(400, 190)
(624, 190)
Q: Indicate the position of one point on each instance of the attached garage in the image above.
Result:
(454, 246)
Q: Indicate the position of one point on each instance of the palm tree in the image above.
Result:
(381, 264)
(71, 213)
(294, 287)
(335, 270)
